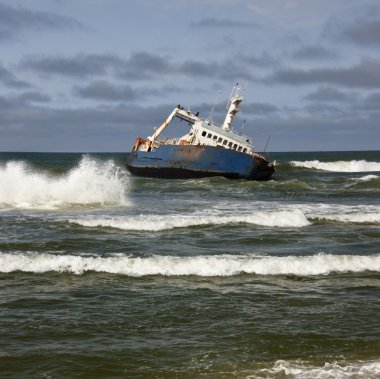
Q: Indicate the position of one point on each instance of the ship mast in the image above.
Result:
(233, 106)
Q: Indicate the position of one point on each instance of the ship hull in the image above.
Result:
(190, 161)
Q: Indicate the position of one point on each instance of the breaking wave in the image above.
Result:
(344, 213)
(302, 216)
(366, 178)
(92, 181)
(216, 265)
(297, 369)
(286, 218)
(339, 166)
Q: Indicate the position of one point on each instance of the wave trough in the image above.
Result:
(216, 265)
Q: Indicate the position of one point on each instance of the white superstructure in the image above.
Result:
(206, 132)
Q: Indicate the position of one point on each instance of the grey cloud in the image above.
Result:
(263, 60)
(366, 74)
(197, 68)
(81, 65)
(327, 94)
(8, 79)
(22, 100)
(372, 102)
(139, 66)
(16, 19)
(222, 23)
(142, 65)
(33, 97)
(227, 69)
(259, 109)
(364, 32)
(313, 52)
(101, 90)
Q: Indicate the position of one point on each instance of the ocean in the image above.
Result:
(105, 275)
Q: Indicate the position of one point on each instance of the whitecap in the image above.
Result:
(336, 370)
(150, 222)
(206, 266)
(339, 166)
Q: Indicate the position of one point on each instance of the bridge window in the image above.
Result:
(235, 146)
(239, 148)
(204, 133)
(225, 142)
(209, 135)
(244, 150)
(215, 138)
(230, 144)
(220, 139)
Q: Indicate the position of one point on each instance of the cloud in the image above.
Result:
(142, 65)
(8, 79)
(33, 97)
(81, 65)
(222, 23)
(227, 69)
(366, 74)
(328, 94)
(101, 90)
(364, 32)
(260, 109)
(263, 60)
(312, 52)
(14, 20)
(372, 102)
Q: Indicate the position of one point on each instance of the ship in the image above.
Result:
(207, 150)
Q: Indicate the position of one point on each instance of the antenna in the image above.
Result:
(213, 107)
(266, 145)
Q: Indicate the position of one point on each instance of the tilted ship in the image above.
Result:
(206, 150)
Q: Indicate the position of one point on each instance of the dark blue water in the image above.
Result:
(104, 275)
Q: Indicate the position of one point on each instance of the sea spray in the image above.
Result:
(92, 181)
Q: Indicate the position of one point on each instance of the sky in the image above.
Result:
(93, 75)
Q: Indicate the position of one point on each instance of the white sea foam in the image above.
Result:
(334, 370)
(92, 181)
(215, 265)
(343, 213)
(284, 218)
(366, 178)
(339, 166)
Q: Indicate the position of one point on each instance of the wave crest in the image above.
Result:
(339, 166)
(285, 218)
(296, 369)
(215, 265)
(92, 181)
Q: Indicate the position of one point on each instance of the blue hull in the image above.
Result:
(190, 161)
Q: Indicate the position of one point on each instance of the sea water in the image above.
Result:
(105, 275)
